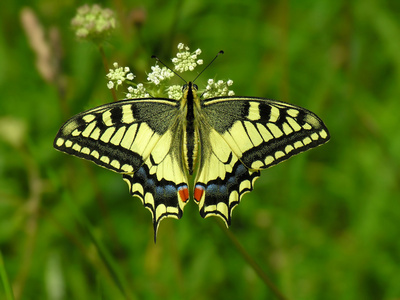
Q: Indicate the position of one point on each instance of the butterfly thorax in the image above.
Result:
(190, 144)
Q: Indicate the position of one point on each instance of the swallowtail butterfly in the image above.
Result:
(158, 143)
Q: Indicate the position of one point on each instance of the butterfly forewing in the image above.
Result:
(139, 138)
(242, 135)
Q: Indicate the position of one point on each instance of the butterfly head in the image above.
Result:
(190, 86)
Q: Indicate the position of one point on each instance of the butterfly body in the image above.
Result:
(157, 143)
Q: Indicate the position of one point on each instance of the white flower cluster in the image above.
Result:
(156, 85)
(118, 76)
(186, 61)
(138, 92)
(218, 88)
(159, 74)
(93, 22)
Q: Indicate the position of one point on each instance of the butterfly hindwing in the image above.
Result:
(161, 182)
(127, 138)
(246, 135)
(222, 179)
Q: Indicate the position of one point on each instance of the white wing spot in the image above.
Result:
(307, 140)
(115, 164)
(293, 124)
(323, 134)
(60, 142)
(68, 143)
(222, 208)
(148, 198)
(128, 182)
(298, 144)
(253, 134)
(246, 184)
(287, 129)
(95, 134)
(292, 112)
(116, 139)
(233, 197)
(85, 150)
(269, 160)
(275, 130)
(88, 118)
(266, 135)
(127, 116)
(238, 130)
(105, 159)
(88, 130)
(254, 111)
(161, 209)
(138, 188)
(107, 118)
(288, 148)
(77, 147)
(129, 136)
(76, 132)
(312, 120)
(307, 126)
(95, 154)
(315, 136)
(127, 168)
(257, 165)
(173, 211)
(279, 154)
(69, 127)
(106, 136)
(274, 114)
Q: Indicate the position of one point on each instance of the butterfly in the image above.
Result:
(157, 144)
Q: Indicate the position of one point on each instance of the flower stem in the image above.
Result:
(4, 278)
(246, 256)
(105, 64)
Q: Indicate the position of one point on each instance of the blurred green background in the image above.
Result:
(323, 225)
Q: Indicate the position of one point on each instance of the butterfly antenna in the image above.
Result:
(220, 52)
(159, 60)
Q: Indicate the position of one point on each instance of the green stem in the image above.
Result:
(105, 64)
(251, 261)
(4, 279)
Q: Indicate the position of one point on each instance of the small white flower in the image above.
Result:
(218, 89)
(159, 74)
(118, 75)
(185, 60)
(175, 92)
(138, 92)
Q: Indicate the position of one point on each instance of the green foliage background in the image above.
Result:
(323, 225)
